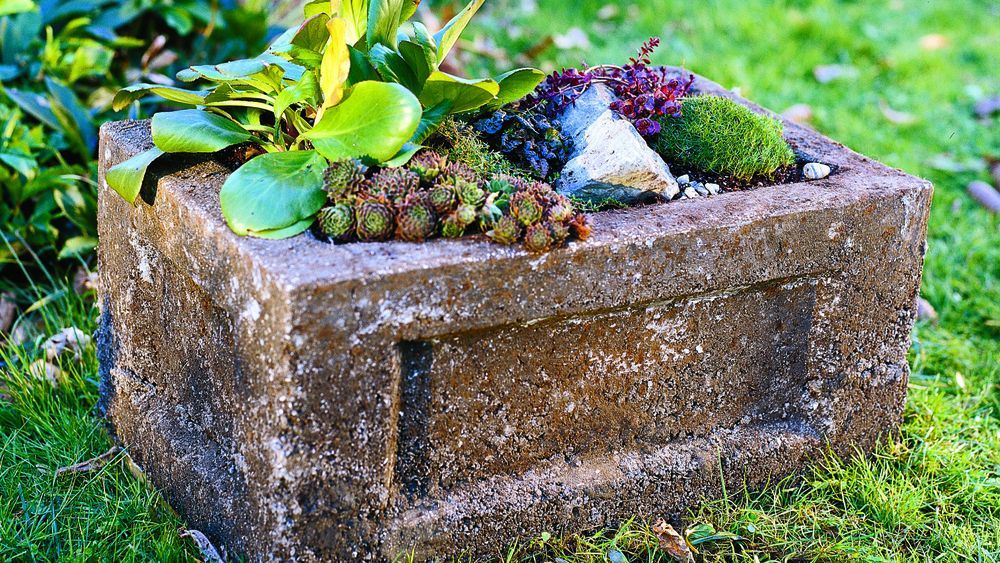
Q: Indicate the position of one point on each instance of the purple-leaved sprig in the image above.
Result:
(644, 92)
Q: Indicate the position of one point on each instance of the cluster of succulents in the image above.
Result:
(529, 139)
(536, 216)
(433, 197)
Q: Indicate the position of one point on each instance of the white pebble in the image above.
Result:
(714, 189)
(690, 193)
(683, 180)
(816, 171)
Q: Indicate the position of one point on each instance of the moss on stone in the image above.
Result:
(463, 144)
(718, 135)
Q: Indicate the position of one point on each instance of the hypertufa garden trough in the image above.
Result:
(295, 399)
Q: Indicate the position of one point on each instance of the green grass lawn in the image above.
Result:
(932, 493)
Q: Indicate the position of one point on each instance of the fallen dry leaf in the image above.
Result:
(672, 543)
(69, 339)
(8, 312)
(934, 41)
(41, 369)
(925, 311)
(91, 464)
(986, 195)
(208, 551)
(799, 113)
(829, 73)
(897, 117)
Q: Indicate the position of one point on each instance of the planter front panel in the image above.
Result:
(295, 399)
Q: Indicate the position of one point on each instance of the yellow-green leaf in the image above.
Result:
(336, 65)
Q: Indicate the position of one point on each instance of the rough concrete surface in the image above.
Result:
(296, 400)
(610, 158)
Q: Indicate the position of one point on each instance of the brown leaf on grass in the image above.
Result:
(986, 195)
(91, 464)
(934, 41)
(8, 312)
(672, 543)
(68, 340)
(925, 311)
(208, 551)
(799, 113)
(43, 370)
(897, 117)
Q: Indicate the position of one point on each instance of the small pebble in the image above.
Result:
(690, 193)
(816, 171)
(713, 189)
(684, 180)
(700, 188)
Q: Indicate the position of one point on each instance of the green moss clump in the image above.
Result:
(461, 143)
(718, 135)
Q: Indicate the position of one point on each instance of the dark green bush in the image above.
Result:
(60, 65)
(718, 135)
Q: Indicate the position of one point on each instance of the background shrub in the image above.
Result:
(60, 65)
(718, 135)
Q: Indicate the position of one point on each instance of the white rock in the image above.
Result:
(713, 189)
(816, 171)
(684, 180)
(690, 193)
(610, 159)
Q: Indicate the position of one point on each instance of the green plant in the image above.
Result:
(60, 63)
(718, 135)
(356, 80)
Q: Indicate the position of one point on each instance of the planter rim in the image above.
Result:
(307, 260)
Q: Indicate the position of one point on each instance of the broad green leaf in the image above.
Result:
(195, 130)
(126, 178)
(75, 118)
(409, 8)
(35, 105)
(286, 232)
(431, 120)
(126, 96)
(78, 246)
(244, 69)
(305, 90)
(25, 165)
(317, 7)
(449, 34)
(336, 65)
(384, 17)
(356, 14)
(273, 192)
(313, 34)
(375, 121)
(517, 84)
(11, 7)
(392, 67)
(463, 93)
(415, 58)
(361, 69)
(426, 41)
(403, 156)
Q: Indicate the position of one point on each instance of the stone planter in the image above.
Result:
(298, 400)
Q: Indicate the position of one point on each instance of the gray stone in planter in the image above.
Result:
(610, 159)
(298, 400)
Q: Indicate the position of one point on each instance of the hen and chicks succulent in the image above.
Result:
(433, 197)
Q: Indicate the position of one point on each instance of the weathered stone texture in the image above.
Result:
(298, 400)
